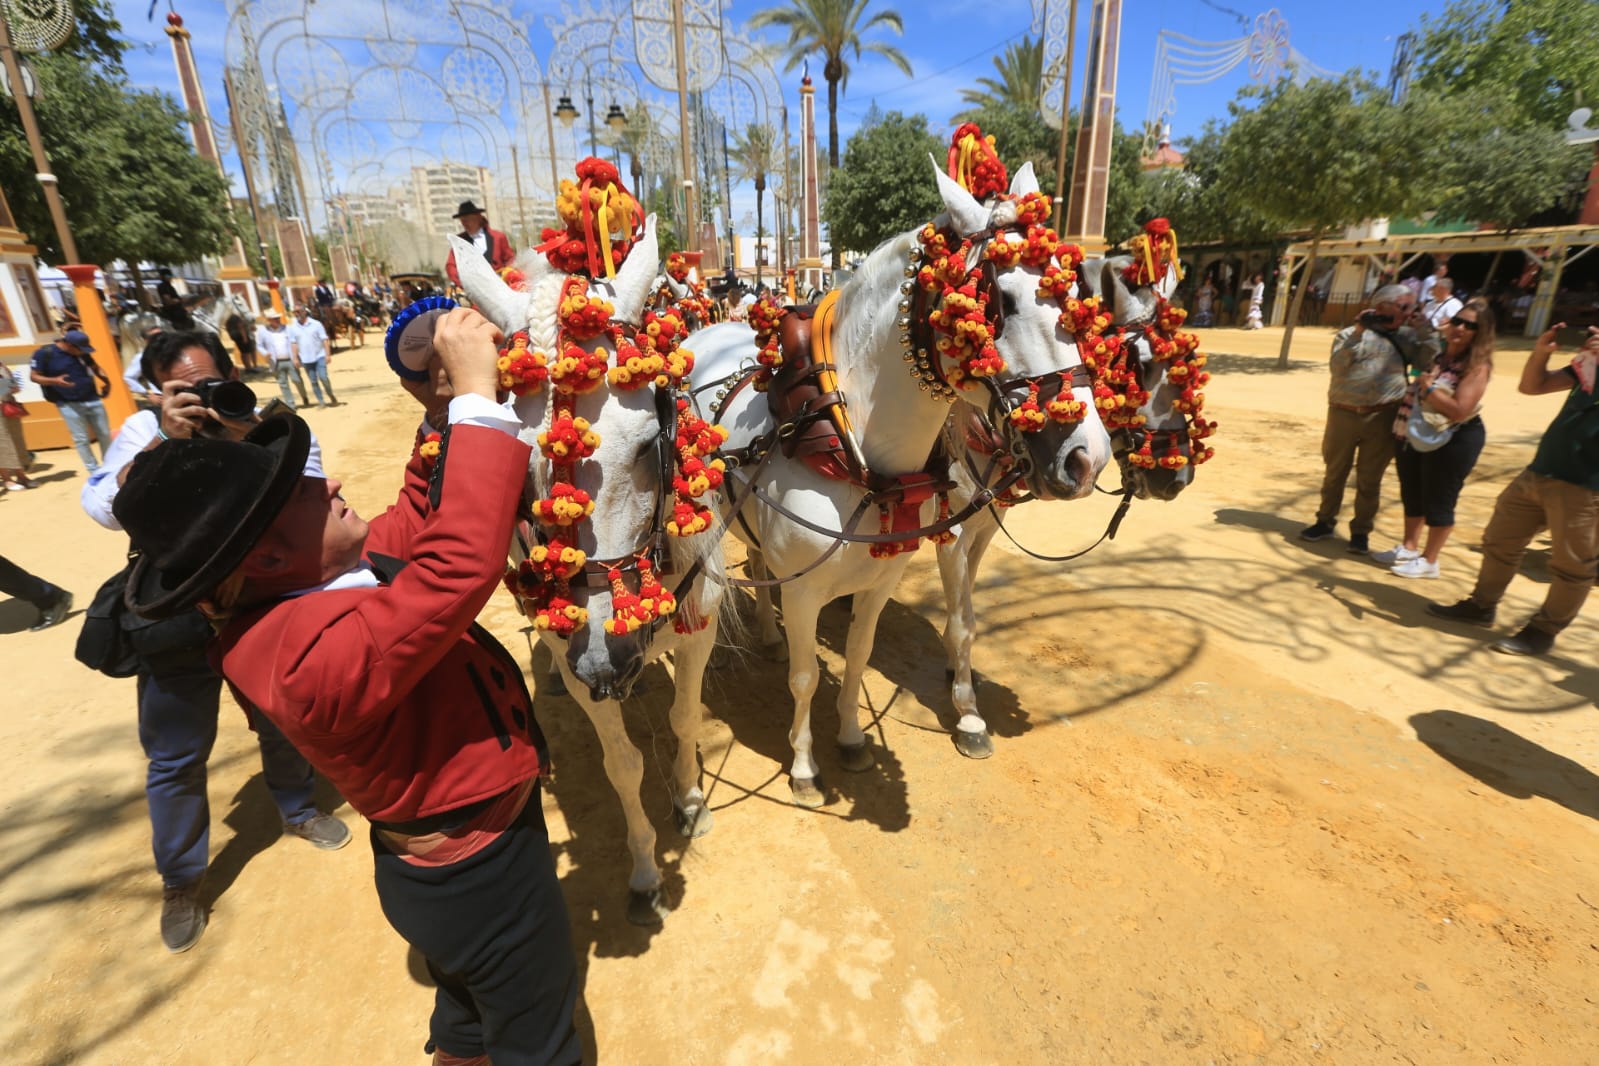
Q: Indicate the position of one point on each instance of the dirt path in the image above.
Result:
(1247, 805)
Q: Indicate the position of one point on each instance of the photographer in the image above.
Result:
(358, 639)
(1367, 383)
(179, 694)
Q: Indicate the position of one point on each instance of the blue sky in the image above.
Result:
(950, 43)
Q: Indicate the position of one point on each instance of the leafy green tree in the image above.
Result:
(754, 153)
(1201, 203)
(1537, 57)
(886, 185)
(835, 29)
(1020, 69)
(1325, 155)
(132, 186)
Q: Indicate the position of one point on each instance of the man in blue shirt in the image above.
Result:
(311, 345)
(74, 382)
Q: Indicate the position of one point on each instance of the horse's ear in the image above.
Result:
(498, 302)
(1168, 281)
(636, 277)
(1129, 306)
(1024, 182)
(965, 213)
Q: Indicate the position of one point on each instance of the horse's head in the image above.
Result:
(1060, 457)
(627, 474)
(1164, 427)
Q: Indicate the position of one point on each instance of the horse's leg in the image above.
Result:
(853, 747)
(624, 765)
(957, 566)
(689, 660)
(800, 609)
(765, 613)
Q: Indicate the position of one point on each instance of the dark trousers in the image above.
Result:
(1430, 482)
(494, 932)
(15, 581)
(178, 727)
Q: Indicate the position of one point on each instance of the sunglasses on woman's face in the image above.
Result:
(1467, 322)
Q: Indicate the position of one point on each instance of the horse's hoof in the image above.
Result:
(553, 684)
(857, 758)
(777, 651)
(973, 745)
(646, 908)
(695, 823)
(805, 792)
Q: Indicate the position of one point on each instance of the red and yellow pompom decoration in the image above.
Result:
(521, 370)
(698, 471)
(1154, 250)
(766, 319)
(602, 221)
(974, 162)
(431, 446)
(960, 320)
(677, 267)
(633, 610)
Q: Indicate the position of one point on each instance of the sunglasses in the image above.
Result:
(1468, 323)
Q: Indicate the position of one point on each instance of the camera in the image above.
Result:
(230, 399)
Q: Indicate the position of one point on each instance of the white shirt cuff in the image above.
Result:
(475, 410)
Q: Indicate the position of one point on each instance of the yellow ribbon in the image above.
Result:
(968, 163)
(604, 219)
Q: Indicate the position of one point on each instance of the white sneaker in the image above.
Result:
(1397, 554)
(1417, 567)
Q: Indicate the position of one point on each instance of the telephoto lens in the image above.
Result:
(230, 399)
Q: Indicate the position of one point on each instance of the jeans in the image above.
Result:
(1529, 505)
(177, 727)
(287, 372)
(318, 373)
(81, 416)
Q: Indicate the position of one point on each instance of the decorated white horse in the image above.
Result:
(1148, 390)
(619, 559)
(966, 310)
(676, 288)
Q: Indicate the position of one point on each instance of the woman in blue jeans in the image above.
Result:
(1430, 482)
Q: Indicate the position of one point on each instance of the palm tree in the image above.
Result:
(753, 155)
(832, 27)
(1020, 71)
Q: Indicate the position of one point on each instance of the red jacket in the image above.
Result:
(393, 693)
(500, 253)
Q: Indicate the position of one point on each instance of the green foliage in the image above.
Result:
(132, 185)
(1199, 201)
(664, 206)
(1020, 70)
(1537, 58)
(886, 185)
(1507, 176)
(1327, 154)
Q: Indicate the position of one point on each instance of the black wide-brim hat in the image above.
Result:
(194, 508)
(467, 208)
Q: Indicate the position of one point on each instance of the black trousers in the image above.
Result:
(1430, 482)
(15, 581)
(494, 932)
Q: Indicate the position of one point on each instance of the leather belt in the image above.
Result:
(1366, 409)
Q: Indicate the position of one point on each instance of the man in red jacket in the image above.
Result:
(494, 245)
(358, 640)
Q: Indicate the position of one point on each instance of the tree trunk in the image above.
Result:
(832, 149)
(760, 199)
(1488, 281)
(1297, 302)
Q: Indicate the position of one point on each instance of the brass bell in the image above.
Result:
(905, 287)
(910, 269)
(923, 386)
(904, 306)
(909, 357)
(905, 323)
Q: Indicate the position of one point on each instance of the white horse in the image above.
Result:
(958, 560)
(628, 479)
(897, 417)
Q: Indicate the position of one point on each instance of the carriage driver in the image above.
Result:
(358, 641)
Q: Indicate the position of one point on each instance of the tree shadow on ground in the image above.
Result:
(1508, 762)
(1230, 363)
(257, 825)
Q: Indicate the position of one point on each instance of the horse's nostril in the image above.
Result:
(1080, 467)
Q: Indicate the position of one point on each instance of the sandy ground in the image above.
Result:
(1248, 805)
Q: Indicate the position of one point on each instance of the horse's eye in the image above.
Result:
(1007, 303)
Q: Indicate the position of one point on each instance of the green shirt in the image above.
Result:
(1569, 450)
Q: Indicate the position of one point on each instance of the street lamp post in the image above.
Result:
(30, 127)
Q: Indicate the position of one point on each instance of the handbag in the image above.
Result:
(1427, 431)
(104, 644)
